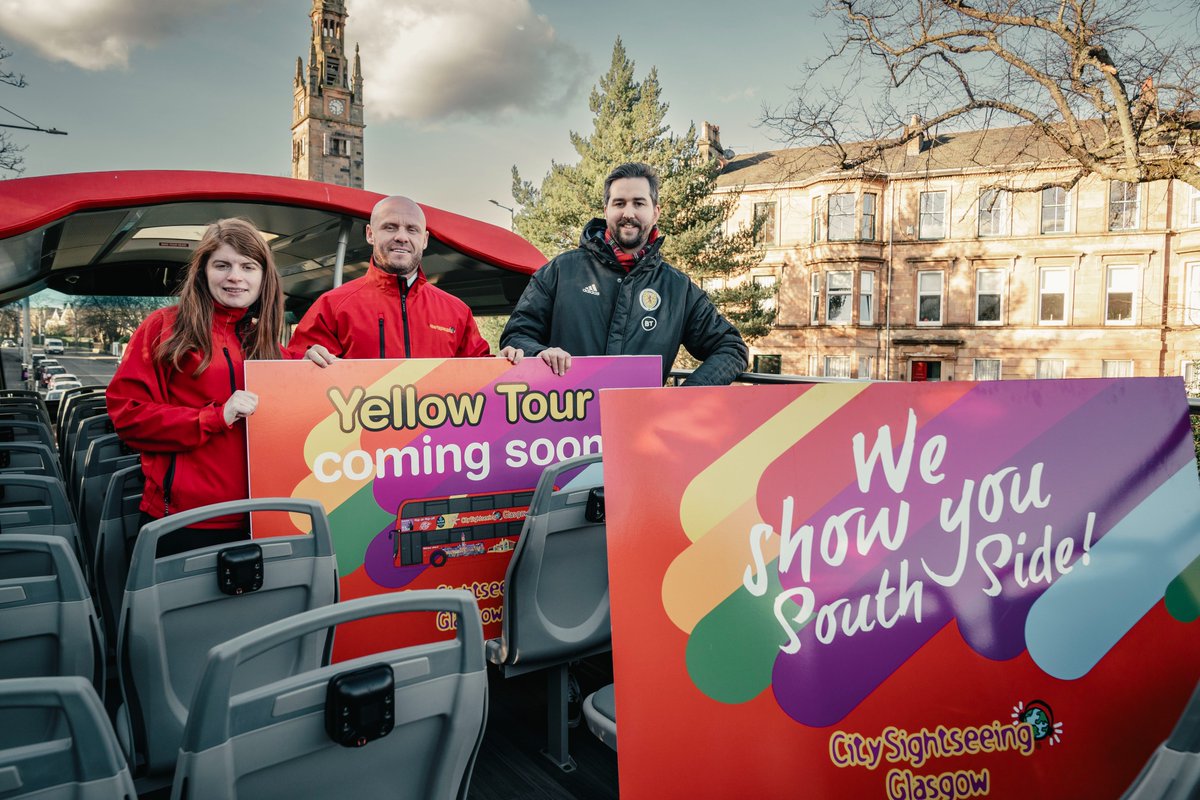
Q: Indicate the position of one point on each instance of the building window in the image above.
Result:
(1051, 368)
(995, 207)
(1118, 302)
(814, 365)
(1122, 206)
(816, 219)
(1190, 373)
(929, 298)
(840, 227)
(336, 146)
(837, 366)
(838, 308)
(866, 298)
(767, 282)
(1055, 210)
(815, 307)
(866, 368)
(932, 221)
(764, 218)
(1193, 206)
(986, 369)
(1117, 369)
(333, 69)
(867, 229)
(711, 285)
(989, 294)
(1052, 296)
(1192, 311)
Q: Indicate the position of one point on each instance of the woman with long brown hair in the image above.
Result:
(179, 397)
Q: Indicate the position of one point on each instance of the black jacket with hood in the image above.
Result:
(586, 303)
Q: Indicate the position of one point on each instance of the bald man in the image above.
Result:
(392, 311)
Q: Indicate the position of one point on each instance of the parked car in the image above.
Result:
(60, 378)
(54, 347)
(50, 371)
(8, 343)
(56, 391)
(40, 362)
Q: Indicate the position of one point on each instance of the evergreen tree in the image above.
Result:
(629, 126)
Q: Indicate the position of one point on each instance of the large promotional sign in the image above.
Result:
(426, 467)
(901, 591)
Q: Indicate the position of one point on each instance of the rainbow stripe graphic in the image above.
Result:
(1046, 517)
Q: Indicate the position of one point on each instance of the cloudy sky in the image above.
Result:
(457, 91)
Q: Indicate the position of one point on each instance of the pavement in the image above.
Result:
(11, 358)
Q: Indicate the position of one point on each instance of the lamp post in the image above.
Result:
(512, 213)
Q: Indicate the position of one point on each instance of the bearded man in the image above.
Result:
(614, 295)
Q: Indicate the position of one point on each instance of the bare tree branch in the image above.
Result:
(1093, 86)
(11, 159)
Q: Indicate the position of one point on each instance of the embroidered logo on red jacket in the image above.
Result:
(442, 328)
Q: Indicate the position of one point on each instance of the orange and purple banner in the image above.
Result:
(425, 466)
(900, 591)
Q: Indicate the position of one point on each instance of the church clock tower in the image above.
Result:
(327, 104)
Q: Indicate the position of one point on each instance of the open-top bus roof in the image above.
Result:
(130, 233)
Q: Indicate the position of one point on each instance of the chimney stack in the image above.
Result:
(915, 145)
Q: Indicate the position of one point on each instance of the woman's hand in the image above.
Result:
(240, 404)
(319, 355)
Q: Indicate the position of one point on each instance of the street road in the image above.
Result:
(92, 369)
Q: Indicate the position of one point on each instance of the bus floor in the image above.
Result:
(510, 765)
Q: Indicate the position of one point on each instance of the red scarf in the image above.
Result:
(628, 260)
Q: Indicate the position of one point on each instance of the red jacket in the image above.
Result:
(372, 317)
(175, 418)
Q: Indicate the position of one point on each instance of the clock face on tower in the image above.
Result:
(336, 107)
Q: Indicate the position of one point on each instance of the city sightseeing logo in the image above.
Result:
(1039, 715)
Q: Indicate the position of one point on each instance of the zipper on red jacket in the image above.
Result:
(232, 377)
(382, 339)
(168, 479)
(404, 286)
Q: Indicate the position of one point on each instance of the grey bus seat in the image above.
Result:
(73, 409)
(74, 455)
(71, 754)
(115, 536)
(105, 455)
(600, 711)
(173, 612)
(23, 408)
(73, 398)
(273, 742)
(556, 591)
(81, 407)
(30, 458)
(48, 625)
(25, 393)
(75, 444)
(1173, 771)
(38, 504)
(20, 430)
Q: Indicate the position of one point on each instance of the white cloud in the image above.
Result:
(96, 34)
(747, 93)
(432, 60)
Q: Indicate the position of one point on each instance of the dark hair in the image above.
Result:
(634, 169)
(193, 324)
